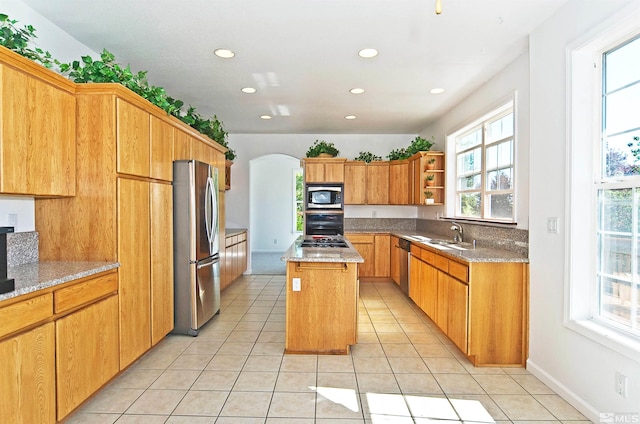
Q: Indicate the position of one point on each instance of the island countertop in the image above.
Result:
(295, 253)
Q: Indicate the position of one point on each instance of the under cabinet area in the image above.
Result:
(480, 306)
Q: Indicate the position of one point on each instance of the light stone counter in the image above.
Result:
(295, 253)
(36, 276)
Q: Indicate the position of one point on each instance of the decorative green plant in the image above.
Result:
(428, 194)
(367, 157)
(431, 160)
(419, 144)
(321, 146)
(398, 154)
(107, 70)
(429, 177)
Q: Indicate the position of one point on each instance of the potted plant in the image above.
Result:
(431, 163)
(398, 154)
(428, 197)
(419, 144)
(367, 157)
(430, 179)
(321, 148)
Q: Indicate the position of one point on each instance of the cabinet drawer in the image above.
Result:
(228, 241)
(416, 251)
(360, 238)
(242, 237)
(428, 256)
(459, 271)
(84, 292)
(23, 314)
(442, 263)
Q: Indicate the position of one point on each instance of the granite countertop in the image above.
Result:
(233, 231)
(471, 254)
(36, 276)
(295, 253)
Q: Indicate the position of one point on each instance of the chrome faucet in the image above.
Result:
(458, 229)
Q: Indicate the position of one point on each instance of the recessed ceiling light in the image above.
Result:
(368, 53)
(224, 53)
(436, 90)
(350, 117)
(265, 117)
(356, 91)
(249, 90)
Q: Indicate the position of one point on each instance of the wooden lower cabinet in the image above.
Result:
(394, 253)
(86, 353)
(322, 316)
(480, 306)
(27, 377)
(235, 258)
(374, 249)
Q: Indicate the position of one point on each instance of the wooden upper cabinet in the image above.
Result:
(399, 182)
(37, 129)
(133, 134)
(161, 146)
(181, 146)
(378, 183)
(324, 170)
(355, 183)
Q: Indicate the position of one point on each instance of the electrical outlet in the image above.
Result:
(295, 284)
(374, 214)
(621, 384)
(552, 225)
(13, 220)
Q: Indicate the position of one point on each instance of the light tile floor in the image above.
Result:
(403, 370)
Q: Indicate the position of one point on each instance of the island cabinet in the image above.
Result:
(366, 183)
(322, 316)
(400, 182)
(480, 306)
(122, 210)
(323, 170)
(374, 249)
(37, 129)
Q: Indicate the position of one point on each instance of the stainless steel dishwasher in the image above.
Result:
(405, 258)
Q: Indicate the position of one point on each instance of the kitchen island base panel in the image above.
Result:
(321, 318)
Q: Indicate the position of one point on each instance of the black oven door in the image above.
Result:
(324, 224)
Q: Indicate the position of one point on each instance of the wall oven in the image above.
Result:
(323, 196)
(323, 223)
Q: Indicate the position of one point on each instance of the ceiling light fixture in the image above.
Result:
(350, 117)
(356, 91)
(265, 117)
(368, 53)
(438, 7)
(248, 90)
(436, 90)
(224, 53)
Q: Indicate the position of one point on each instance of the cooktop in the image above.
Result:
(324, 241)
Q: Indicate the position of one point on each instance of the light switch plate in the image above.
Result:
(295, 284)
(552, 225)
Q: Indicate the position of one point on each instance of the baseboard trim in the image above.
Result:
(576, 401)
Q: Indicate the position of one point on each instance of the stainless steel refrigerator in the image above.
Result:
(196, 249)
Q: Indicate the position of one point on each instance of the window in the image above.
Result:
(617, 190)
(485, 167)
(298, 195)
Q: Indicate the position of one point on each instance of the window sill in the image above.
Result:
(607, 337)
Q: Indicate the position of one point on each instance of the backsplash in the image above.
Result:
(511, 239)
(22, 248)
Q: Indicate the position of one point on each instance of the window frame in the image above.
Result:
(505, 108)
(584, 175)
(297, 172)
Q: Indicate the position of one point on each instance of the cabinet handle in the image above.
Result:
(342, 266)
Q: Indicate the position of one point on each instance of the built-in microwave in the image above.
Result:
(323, 196)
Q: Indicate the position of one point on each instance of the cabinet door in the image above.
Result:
(458, 303)
(429, 291)
(395, 259)
(415, 280)
(86, 353)
(181, 146)
(364, 244)
(378, 183)
(134, 272)
(399, 183)
(382, 267)
(161, 261)
(133, 131)
(442, 310)
(27, 380)
(355, 183)
(334, 172)
(314, 172)
(161, 150)
(38, 134)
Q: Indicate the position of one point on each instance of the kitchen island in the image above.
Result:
(322, 298)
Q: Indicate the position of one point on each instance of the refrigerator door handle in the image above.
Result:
(209, 207)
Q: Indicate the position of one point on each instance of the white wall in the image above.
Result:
(64, 48)
(272, 186)
(575, 366)
(513, 79)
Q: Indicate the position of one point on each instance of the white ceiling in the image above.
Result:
(301, 55)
